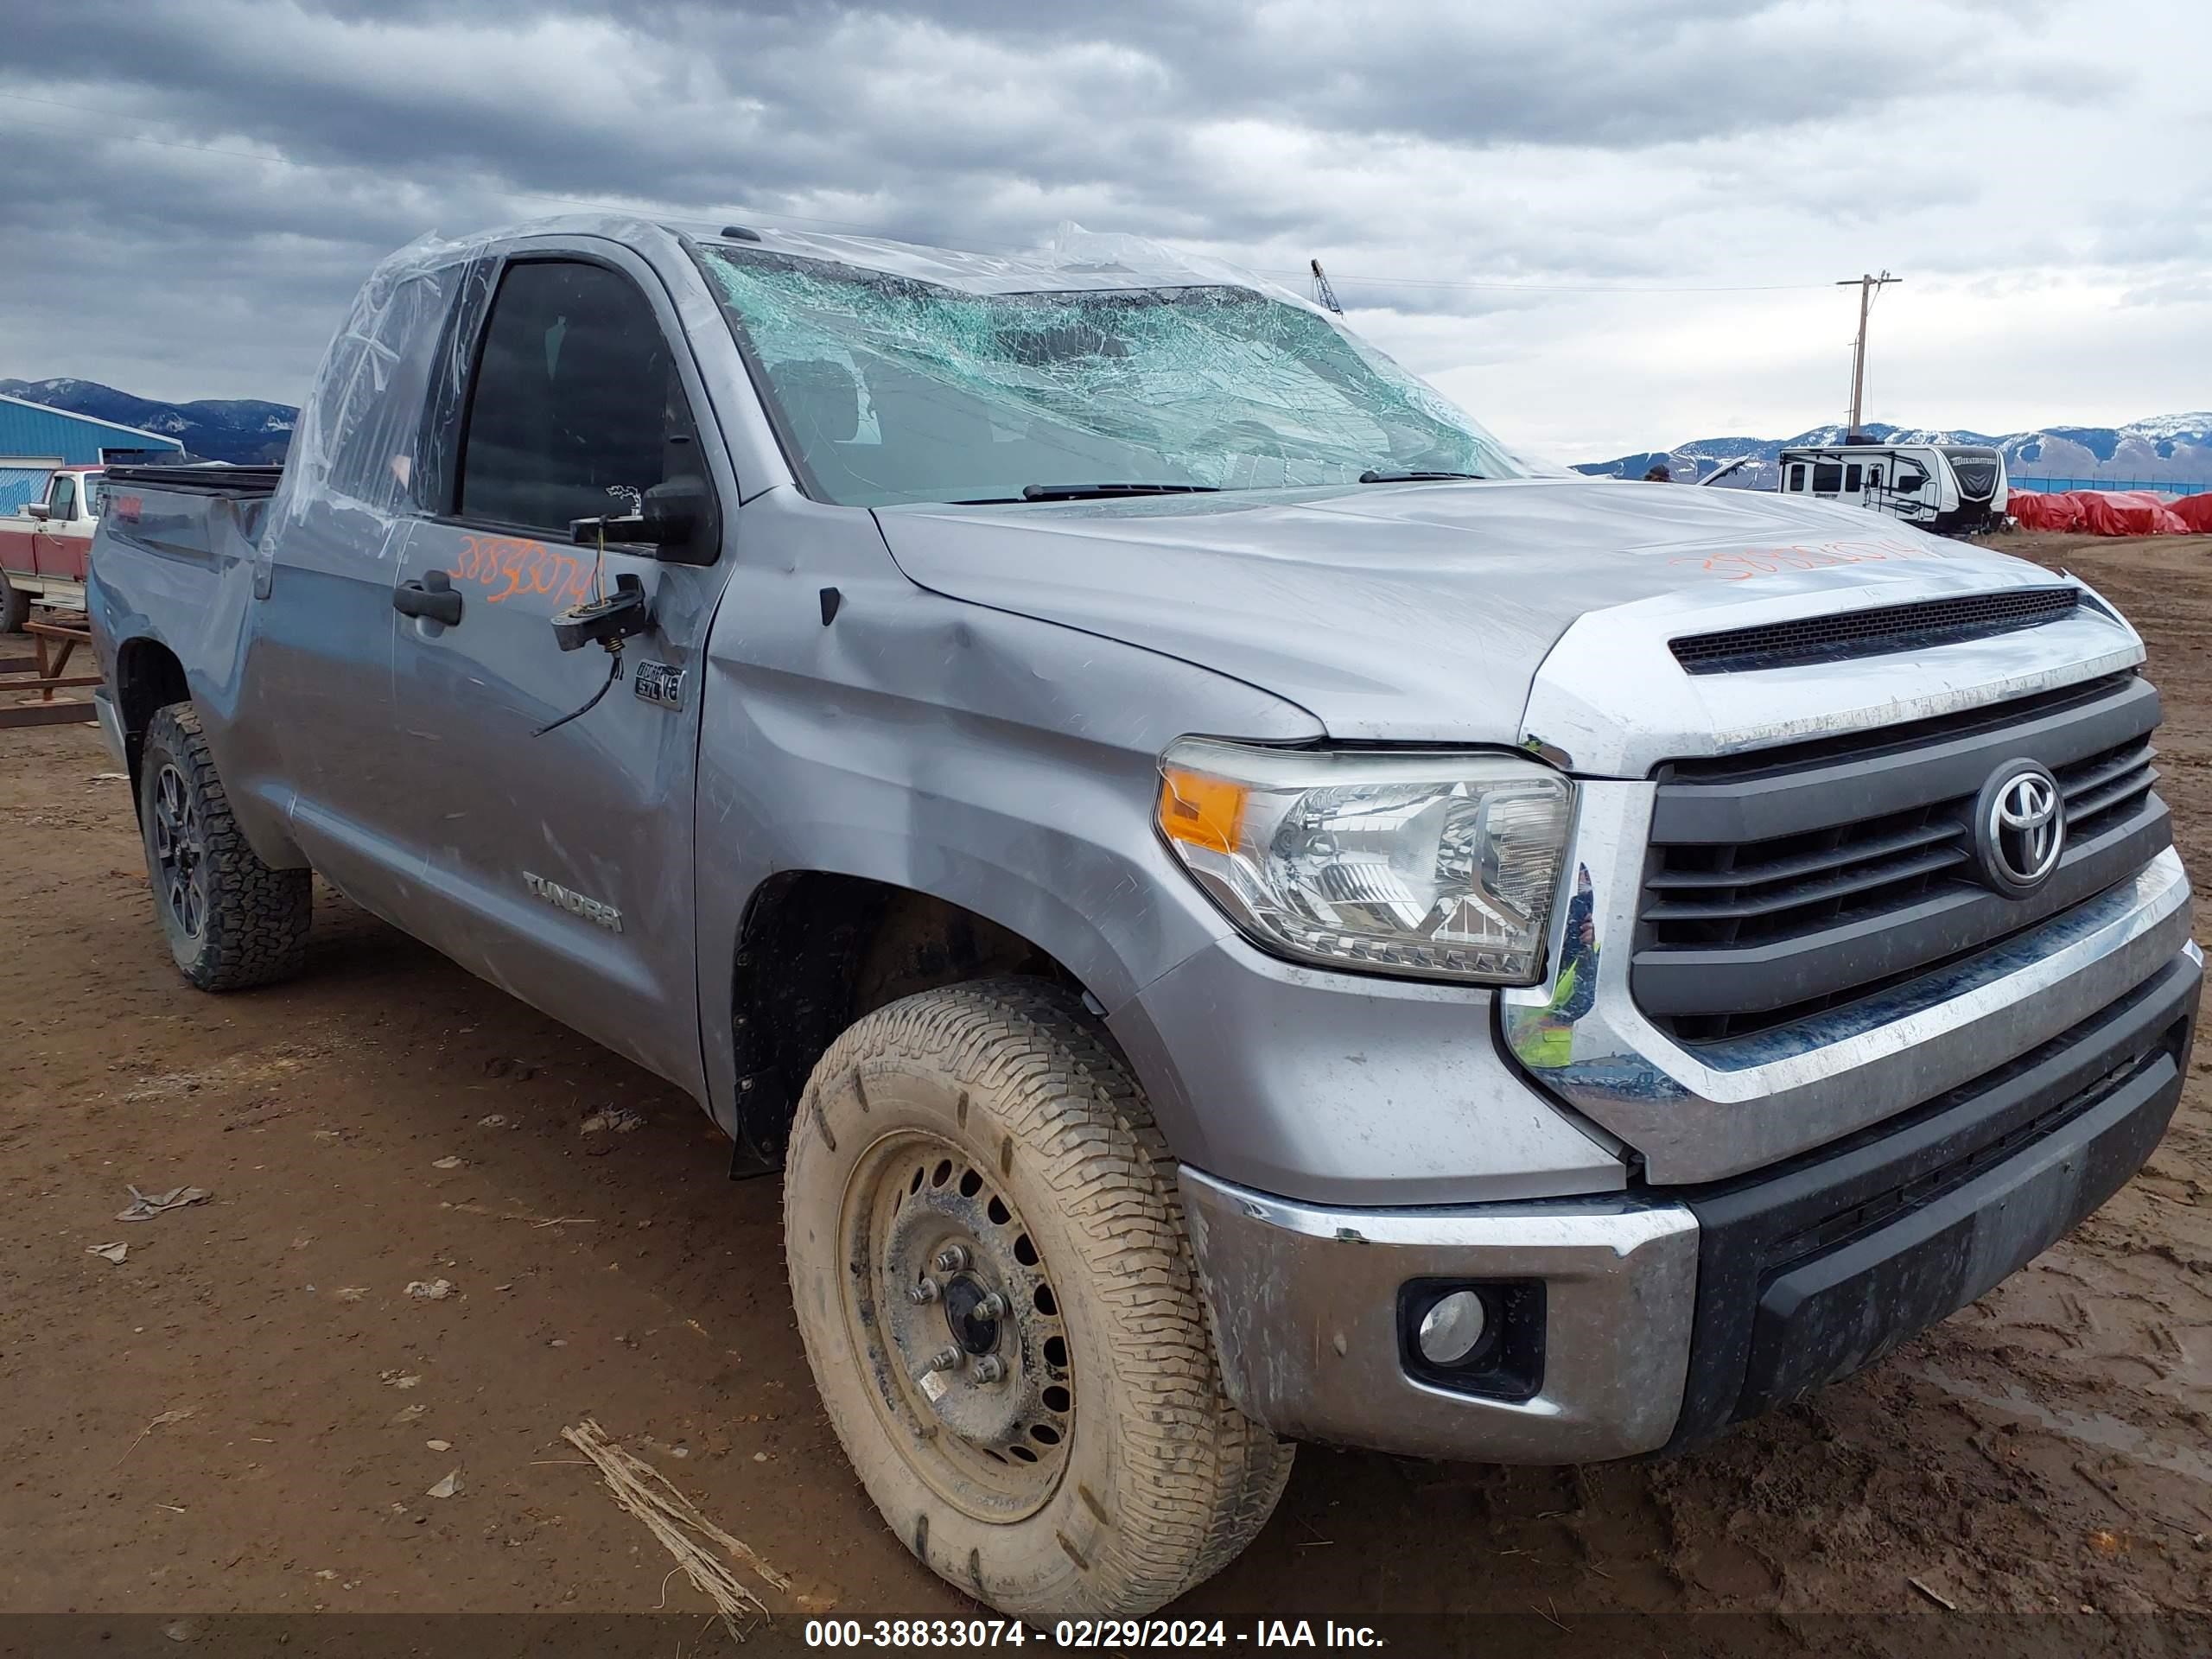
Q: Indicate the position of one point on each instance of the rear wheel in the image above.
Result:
(231, 921)
(14, 607)
(996, 1295)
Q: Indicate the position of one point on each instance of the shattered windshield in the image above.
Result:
(888, 389)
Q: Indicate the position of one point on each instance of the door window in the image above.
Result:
(1827, 477)
(1873, 478)
(576, 410)
(62, 502)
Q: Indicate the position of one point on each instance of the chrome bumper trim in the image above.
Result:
(1304, 1303)
(1742, 1103)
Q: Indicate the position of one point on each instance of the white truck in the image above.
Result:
(44, 548)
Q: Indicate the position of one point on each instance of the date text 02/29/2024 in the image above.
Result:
(1087, 1634)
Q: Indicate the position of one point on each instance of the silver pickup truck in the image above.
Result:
(1243, 911)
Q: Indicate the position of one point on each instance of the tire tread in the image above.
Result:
(257, 917)
(1208, 1477)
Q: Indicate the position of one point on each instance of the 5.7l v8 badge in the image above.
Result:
(659, 683)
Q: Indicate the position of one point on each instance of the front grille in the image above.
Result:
(1775, 891)
(1893, 628)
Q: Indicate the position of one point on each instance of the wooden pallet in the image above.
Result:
(54, 641)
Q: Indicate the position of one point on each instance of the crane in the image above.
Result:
(1324, 295)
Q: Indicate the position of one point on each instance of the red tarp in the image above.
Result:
(2111, 512)
(2035, 511)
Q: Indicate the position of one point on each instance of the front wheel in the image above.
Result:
(987, 1258)
(14, 607)
(231, 922)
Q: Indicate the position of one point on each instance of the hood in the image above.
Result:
(1424, 614)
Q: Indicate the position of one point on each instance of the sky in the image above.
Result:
(1603, 225)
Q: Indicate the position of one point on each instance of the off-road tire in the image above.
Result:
(14, 607)
(252, 920)
(1164, 1482)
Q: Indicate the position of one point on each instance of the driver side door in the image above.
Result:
(62, 540)
(559, 850)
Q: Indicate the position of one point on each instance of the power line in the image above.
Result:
(1563, 287)
(871, 230)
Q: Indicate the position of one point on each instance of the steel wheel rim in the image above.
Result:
(994, 1447)
(180, 852)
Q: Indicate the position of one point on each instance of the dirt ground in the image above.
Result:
(250, 1412)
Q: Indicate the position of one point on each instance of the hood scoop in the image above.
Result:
(1885, 631)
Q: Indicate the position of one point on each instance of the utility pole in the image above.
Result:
(1867, 286)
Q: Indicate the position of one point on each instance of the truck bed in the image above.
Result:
(199, 524)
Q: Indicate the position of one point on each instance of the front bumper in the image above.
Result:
(1306, 1313)
(1667, 1314)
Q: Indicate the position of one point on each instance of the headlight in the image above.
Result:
(1441, 866)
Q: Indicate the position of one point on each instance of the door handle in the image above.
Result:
(433, 599)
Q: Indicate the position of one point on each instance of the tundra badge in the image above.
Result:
(574, 903)
(659, 683)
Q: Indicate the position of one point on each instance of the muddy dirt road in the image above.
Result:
(250, 1410)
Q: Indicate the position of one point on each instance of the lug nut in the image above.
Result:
(951, 1259)
(923, 1293)
(989, 1368)
(945, 1359)
(992, 1306)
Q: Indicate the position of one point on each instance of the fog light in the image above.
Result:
(1450, 1329)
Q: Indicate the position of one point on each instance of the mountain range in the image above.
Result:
(233, 429)
(2165, 451)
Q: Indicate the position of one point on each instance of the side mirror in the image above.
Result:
(689, 529)
(676, 519)
(36, 509)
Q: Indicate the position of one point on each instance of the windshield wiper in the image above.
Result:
(1380, 476)
(1087, 492)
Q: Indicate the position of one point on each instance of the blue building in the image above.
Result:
(35, 439)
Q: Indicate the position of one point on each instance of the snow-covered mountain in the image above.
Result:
(235, 430)
(2173, 451)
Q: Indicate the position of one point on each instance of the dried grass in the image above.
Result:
(677, 1522)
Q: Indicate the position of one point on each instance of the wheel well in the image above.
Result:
(148, 678)
(816, 951)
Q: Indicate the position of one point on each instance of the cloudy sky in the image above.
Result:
(1602, 224)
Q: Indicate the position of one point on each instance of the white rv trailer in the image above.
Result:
(1954, 489)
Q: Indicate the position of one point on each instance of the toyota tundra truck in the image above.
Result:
(1243, 911)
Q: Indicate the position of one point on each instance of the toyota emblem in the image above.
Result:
(2019, 828)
